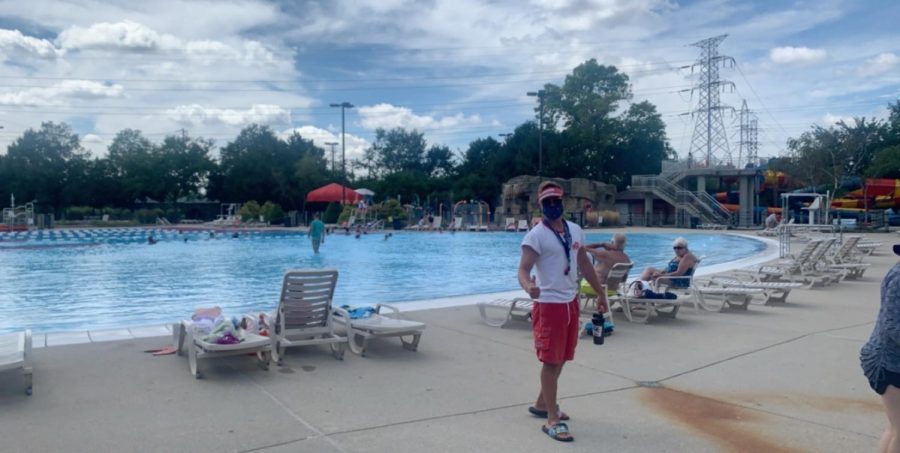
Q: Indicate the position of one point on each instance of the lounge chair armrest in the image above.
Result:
(27, 347)
(342, 313)
(670, 278)
(393, 309)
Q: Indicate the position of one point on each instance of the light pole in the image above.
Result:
(332, 145)
(505, 136)
(540, 96)
(343, 106)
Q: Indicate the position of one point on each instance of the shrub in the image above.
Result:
(390, 208)
(249, 210)
(79, 212)
(118, 213)
(272, 212)
(148, 215)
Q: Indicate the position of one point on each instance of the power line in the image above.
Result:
(326, 79)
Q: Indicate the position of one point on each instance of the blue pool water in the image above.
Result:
(76, 282)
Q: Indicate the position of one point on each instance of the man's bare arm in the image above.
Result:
(526, 263)
(584, 266)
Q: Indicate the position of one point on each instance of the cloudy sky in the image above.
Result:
(455, 69)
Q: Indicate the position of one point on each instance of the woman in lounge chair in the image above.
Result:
(681, 265)
(880, 357)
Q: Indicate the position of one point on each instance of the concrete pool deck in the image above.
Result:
(782, 378)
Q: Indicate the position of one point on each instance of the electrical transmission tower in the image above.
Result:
(748, 146)
(710, 139)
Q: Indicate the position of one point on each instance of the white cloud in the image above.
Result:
(356, 146)
(14, 41)
(59, 93)
(797, 55)
(125, 34)
(196, 115)
(880, 64)
(133, 36)
(831, 120)
(389, 116)
(92, 139)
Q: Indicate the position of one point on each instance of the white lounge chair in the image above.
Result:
(639, 309)
(457, 223)
(731, 297)
(378, 325)
(15, 354)
(304, 316)
(517, 309)
(847, 260)
(522, 225)
(668, 308)
(198, 349)
(773, 292)
(510, 224)
(616, 277)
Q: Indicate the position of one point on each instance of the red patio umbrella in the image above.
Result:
(333, 192)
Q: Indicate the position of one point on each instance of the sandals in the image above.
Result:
(557, 431)
(543, 414)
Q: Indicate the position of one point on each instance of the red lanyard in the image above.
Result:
(565, 240)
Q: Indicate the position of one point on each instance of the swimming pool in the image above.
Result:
(80, 280)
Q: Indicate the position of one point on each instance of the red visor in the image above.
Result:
(549, 192)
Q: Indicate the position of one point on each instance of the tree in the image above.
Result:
(185, 167)
(397, 150)
(259, 165)
(132, 159)
(886, 164)
(587, 97)
(640, 145)
(38, 165)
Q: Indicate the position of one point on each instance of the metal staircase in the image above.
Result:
(687, 204)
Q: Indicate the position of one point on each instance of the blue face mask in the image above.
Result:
(553, 211)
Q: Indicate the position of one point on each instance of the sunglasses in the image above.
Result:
(677, 247)
(552, 202)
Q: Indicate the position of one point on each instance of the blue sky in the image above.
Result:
(455, 69)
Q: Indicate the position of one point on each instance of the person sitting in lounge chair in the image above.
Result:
(607, 254)
(682, 265)
(771, 221)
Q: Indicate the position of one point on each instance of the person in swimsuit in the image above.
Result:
(681, 265)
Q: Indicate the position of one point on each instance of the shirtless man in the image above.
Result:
(607, 254)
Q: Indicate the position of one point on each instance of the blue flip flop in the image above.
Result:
(556, 430)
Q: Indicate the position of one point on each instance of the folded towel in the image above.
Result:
(359, 312)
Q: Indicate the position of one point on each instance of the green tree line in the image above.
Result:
(590, 130)
(862, 147)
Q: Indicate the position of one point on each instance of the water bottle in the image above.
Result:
(597, 320)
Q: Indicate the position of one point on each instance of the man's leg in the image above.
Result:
(889, 441)
(548, 371)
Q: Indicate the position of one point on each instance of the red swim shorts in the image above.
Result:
(555, 329)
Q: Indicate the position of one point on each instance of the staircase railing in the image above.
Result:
(723, 214)
(700, 204)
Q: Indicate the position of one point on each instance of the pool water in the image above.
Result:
(93, 281)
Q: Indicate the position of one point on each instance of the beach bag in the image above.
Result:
(648, 294)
